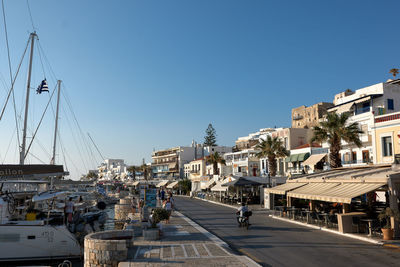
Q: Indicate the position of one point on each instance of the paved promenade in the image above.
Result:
(184, 243)
(273, 242)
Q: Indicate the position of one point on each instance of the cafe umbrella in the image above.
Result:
(243, 182)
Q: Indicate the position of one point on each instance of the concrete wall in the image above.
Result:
(389, 128)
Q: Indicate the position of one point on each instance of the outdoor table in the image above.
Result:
(307, 215)
(291, 212)
(280, 208)
(369, 221)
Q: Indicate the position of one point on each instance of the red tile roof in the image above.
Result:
(308, 145)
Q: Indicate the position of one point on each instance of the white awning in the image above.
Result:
(162, 183)
(283, 188)
(172, 185)
(311, 191)
(208, 184)
(342, 108)
(362, 100)
(314, 159)
(219, 187)
(346, 191)
(135, 183)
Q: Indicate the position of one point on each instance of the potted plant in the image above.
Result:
(153, 233)
(159, 214)
(385, 215)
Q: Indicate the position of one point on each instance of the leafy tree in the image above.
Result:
(133, 169)
(271, 148)
(214, 159)
(211, 136)
(333, 130)
(185, 186)
(394, 72)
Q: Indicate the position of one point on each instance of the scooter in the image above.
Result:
(243, 221)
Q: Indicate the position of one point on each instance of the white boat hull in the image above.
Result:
(37, 242)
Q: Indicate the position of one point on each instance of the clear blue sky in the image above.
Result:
(153, 74)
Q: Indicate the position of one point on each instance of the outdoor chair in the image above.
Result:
(376, 228)
(316, 218)
(303, 216)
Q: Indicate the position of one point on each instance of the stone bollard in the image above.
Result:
(121, 211)
(107, 248)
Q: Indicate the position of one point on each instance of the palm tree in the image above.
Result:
(214, 159)
(133, 169)
(271, 148)
(394, 72)
(333, 130)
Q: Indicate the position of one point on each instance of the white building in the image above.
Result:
(290, 138)
(363, 105)
(252, 140)
(195, 168)
(307, 158)
(112, 168)
(243, 163)
(171, 162)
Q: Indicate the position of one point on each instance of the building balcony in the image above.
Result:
(362, 110)
(164, 154)
(163, 163)
(297, 117)
(356, 162)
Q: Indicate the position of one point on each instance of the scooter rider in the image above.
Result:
(242, 210)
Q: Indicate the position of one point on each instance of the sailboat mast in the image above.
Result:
(53, 160)
(28, 86)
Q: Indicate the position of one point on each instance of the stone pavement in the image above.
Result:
(184, 243)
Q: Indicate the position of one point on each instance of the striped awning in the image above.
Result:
(312, 191)
(343, 193)
(172, 185)
(162, 183)
(283, 188)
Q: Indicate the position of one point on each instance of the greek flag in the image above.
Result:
(43, 87)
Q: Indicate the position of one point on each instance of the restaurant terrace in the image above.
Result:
(346, 199)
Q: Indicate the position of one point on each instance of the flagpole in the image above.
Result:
(28, 86)
(53, 160)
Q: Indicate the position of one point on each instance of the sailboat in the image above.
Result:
(29, 240)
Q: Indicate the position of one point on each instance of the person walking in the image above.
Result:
(69, 210)
(162, 194)
(168, 207)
